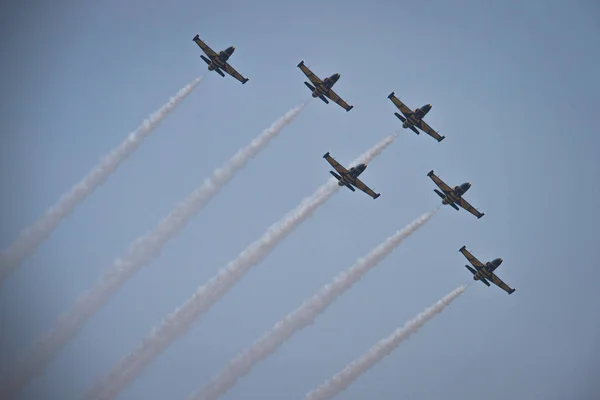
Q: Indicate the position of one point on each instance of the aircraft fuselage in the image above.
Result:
(488, 268)
(354, 172)
(219, 60)
(327, 84)
(456, 193)
(417, 116)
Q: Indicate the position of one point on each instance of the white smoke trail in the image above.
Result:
(30, 238)
(356, 368)
(142, 251)
(181, 320)
(303, 315)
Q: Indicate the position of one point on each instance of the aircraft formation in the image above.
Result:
(411, 119)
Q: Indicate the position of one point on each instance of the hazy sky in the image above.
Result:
(514, 88)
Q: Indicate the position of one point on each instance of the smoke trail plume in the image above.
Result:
(142, 251)
(181, 320)
(303, 315)
(33, 236)
(356, 368)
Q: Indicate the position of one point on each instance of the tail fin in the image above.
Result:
(324, 99)
(220, 72)
(400, 117)
(350, 187)
(206, 60)
(473, 271)
(412, 128)
(442, 195)
(336, 176)
(454, 206)
(311, 87)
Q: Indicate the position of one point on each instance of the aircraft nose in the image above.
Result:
(501, 260)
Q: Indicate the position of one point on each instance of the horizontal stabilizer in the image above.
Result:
(442, 195)
(412, 128)
(324, 99)
(350, 187)
(311, 87)
(400, 117)
(336, 176)
(473, 271)
(206, 60)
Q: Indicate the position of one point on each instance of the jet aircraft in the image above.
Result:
(218, 61)
(485, 272)
(349, 178)
(322, 88)
(453, 197)
(414, 119)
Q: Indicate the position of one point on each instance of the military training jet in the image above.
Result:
(485, 272)
(322, 88)
(454, 196)
(218, 62)
(350, 178)
(414, 119)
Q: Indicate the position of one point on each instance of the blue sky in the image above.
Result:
(514, 89)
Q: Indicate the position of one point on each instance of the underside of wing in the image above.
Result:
(440, 183)
(205, 48)
(338, 167)
(231, 71)
(467, 206)
(500, 283)
(360, 185)
(400, 105)
(431, 132)
(311, 76)
(472, 259)
(334, 97)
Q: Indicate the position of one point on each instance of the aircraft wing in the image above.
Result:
(472, 259)
(440, 183)
(338, 167)
(231, 71)
(205, 48)
(400, 105)
(430, 131)
(465, 204)
(311, 76)
(360, 185)
(334, 97)
(500, 283)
